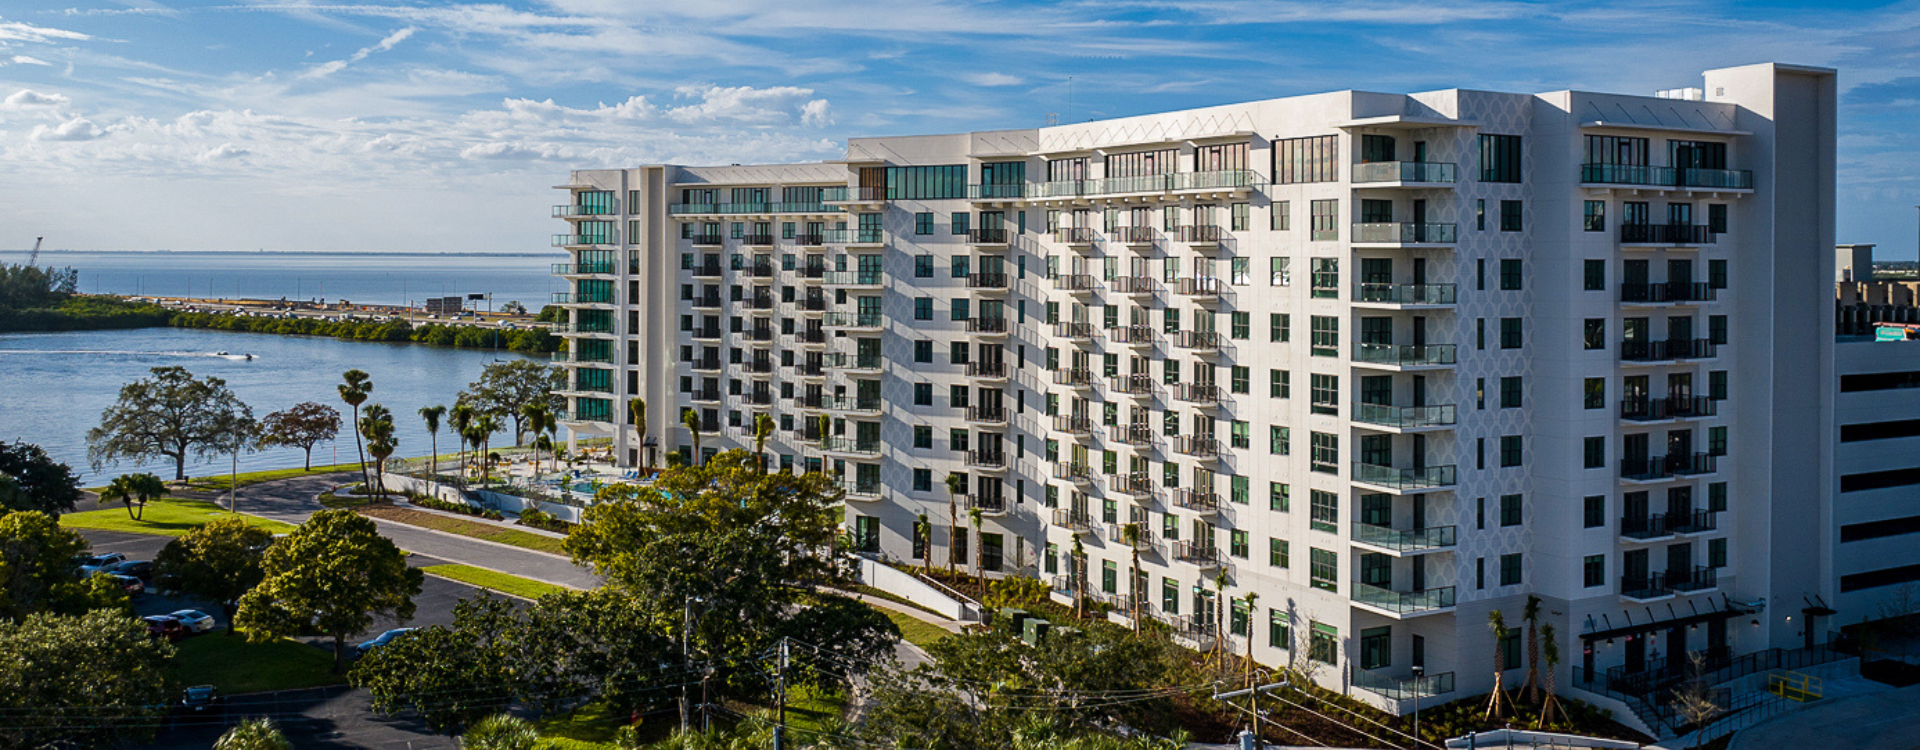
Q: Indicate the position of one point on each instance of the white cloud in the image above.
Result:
(743, 105)
(15, 31)
(991, 79)
(224, 152)
(76, 129)
(25, 60)
(25, 98)
(814, 114)
(334, 66)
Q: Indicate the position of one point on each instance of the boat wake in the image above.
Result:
(113, 353)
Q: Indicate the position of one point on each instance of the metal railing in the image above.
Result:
(1426, 477)
(1404, 417)
(1405, 355)
(702, 270)
(1200, 287)
(1191, 499)
(1651, 176)
(1201, 340)
(1072, 471)
(1138, 385)
(987, 325)
(1073, 330)
(1000, 191)
(1137, 484)
(851, 320)
(1403, 602)
(1403, 688)
(990, 459)
(1076, 521)
(1191, 445)
(574, 269)
(988, 236)
(987, 281)
(848, 444)
(990, 370)
(1662, 467)
(1074, 235)
(852, 236)
(1199, 393)
(1073, 376)
(1131, 285)
(987, 413)
(1404, 171)
(1073, 425)
(1667, 234)
(852, 278)
(708, 238)
(1075, 282)
(1406, 294)
(1670, 291)
(1672, 349)
(1131, 434)
(1407, 540)
(1672, 407)
(1133, 235)
(1403, 233)
(1137, 335)
(1199, 234)
(1196, 554)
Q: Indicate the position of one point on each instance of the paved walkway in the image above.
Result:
(1877, 721)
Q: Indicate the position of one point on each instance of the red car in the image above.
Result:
(165, 626)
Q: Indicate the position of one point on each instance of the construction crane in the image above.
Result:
(34, 257)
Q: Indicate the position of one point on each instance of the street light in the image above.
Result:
(1418, 671)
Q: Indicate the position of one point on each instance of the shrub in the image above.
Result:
(542, 520)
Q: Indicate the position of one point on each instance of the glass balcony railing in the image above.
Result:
(852, 278)
(1003, 191)
(1403, 688)
(852, 194)
(1403, 233)
(1402, 602)
(849, 444)
(851, 236)
(565, 211)
(1404, 417)
(1427, 477)
(1641, 175)
(1406, 294)
(565, 240)
(1642, 409)
(1403, 171)
(571, 269)
(1405, 356)
(1223, 179)
(1648, 468)
(851, 320)
(1405, 541)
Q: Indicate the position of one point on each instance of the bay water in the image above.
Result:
(368, 278)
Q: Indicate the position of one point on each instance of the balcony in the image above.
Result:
(987, 236)
(1699, 578)
(1418, 479)
(987, 370)
(987, 413)
(1077, 377)
(1669, 293)
(1645, 587)
(704, 395)
(851, 404)
(869, 320)
(1404, 418)
(706, 270)
(760, 398)
(1077, 522)
(861, 491)
(1645, 528)
(604, 327)
(685, 209)
(1220, 179)
(1398, 541)
(570, 240)
(1672, 350)
(853, 236)
(1075, 282)
(760, 366)
(849, 444)
(987, 459)
(1133, 235)
(854, 363)
(1131, 285)
(1143, 537)
(810, 401)
(1403, 688)
(1140, 385)
(582, 269)
(705, 333)
(853, 278)
(1072, 472)
(1643, 176)
(987, 326)
(1199, 234)
(705, 364)
(706, 302)
(1207, 287)
(1411, 356)
(853, 194)
(1191, 445)
(1203, 555)
(810, 336)
(809, 239)
(813, 368)
(594, 298)
(1198, 393)
(1074, 331)
(1075, 236)
(1666, 234)
(1693, 521)
(1405, 296)
(1131, 434)
(1403, 234)
(1402, 603)
(760, 270)
(1136, 484)
(997, 192)
(987, 282)
(812, 273)
(1204, 341)
(992, 505)
(1196, 500)
(1140, 335)
(1405, 174)
(1669, 408)
(1073, 425)
(758, 302)
(1656, 468)
(708, 239)
(811, 304)
(757, 239)
(569, 211)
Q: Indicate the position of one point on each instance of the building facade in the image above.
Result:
(1338, 374)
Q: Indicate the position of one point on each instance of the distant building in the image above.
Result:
(1387, 361)
(1854, 263)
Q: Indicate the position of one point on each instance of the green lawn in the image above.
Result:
(489, 579)
(163, 518)
(590, 726)
(811, 709)
(915, 631)
(221, 482)
(463, 527)
(234, 666)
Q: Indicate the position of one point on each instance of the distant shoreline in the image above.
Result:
(259, 253)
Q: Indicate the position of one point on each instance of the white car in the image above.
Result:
(195, 620)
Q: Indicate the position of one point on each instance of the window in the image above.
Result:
(962, 266)
(1239, 217)
(1596, 216)
(1510, 570)
(1237, 544)
(1509, 510)
(1479, 333)
(1325, 216)
(923, 308)
(1717, 553)
(1595, 391)
(1323, 568)
(1240, 271)
(922, 351)
(1325, 644)
(1109, 577)
(1593, 511)
(1324, 509)
(922, 482)
(1239, 437)
(1510, 269)
(1313, 159)
(923, 266)
(1717, 441)
(1510, 333)
(1594, 453)
(1242, 326)
(1325, 453)
(1279, 440)
(961, 309)
(1279, 327)
(1593, 335)
(1326, 336)
(1240, 619)
(962, 222)
(1593, 571)
(1499, 158)
(923, 223)
(1278, 554)
(1279, 271)
(1596, 275)
(1510, 391)
(1717, 329)
(1280, 384)
(1279, 497)
(1511, 216)
(923, 437)
(1238, 491)
(922, 394)
(1717, 218)
(1717, 384)
(1376, 648)
(1325, 277)
(1717, 273)
(1282, 216)
(1510, 451)
(1169, 595)
(1480, 218)
(926, 183)
(1325, 394)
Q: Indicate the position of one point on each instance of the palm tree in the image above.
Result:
(377, 426)
(484, 426)
(1531, 614)
(1220, 616)
(691, 419)
(1496, 703)
(1251, 598)
(1131, 534)
(500, 732)
(460, 423)
(637, 413)
(431, 415)
(923, 531)
(975, 517)
(134, 487)
(354, 391)
(254, 734)
(762, 429)
(956, 486)
(538, 417)
(1549, 653)
(1077, 569)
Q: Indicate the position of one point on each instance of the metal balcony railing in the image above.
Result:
(1075, 521)
(1133, 235)
(1201, 287)
(1404, 171)
(1405, 540)
(1405, 356)
(1693, 521)
(1137, 385)
(1642, 409)
(1075, 236)
(707, 333)
(1403, 602)
(1666, 351)
(987, 236)
(1073, 376)
(987, 281)
(1132, 434)
(990, 459)
(1427, 477)
(1406, 294)
(1200, 340)
(1075, 282)
(1403, 233)
(991, 413)
(1135, 483)
(991, 504)
(707, 301)
(988, 370)
(1073, 472)
(1141, 335)
(707, 395)
(1667, 234)
(1131, 285)
(1199, 393)
(851, 320)
(1191, 445)
(1404, 417)
(565, 210)
(1191, 499)
(1196, 554)
(708, 238)
(1203, 234)
(706, 270)
(1077, 331)
(704, 364)
(850, 444)
(757, 239)
(1073, 425)
(1671, 291)
(1671, 465)
(853, 236)
(1650, 526)
(987, 325)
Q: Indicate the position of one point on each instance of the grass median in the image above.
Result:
(163, 518)
(917, 632)
(504, 583)
(222, 482)
(474, 529)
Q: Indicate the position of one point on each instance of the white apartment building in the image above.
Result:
(1388, 362)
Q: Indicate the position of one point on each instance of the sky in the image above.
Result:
(443, 126)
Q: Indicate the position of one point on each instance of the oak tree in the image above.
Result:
(302, 426)
(172, 415)
(91, 680)
(333, 575)
(219, 562)
(34, 481)
(36, 569)
(504, 388)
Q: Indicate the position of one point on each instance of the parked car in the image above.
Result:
(200, 699)
(195, 620)
(132, 585)
(98, 563)
(165, 626)
(141, 569)
(382, 640)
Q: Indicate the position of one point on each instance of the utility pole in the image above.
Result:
(780, 728)
(686, 624)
